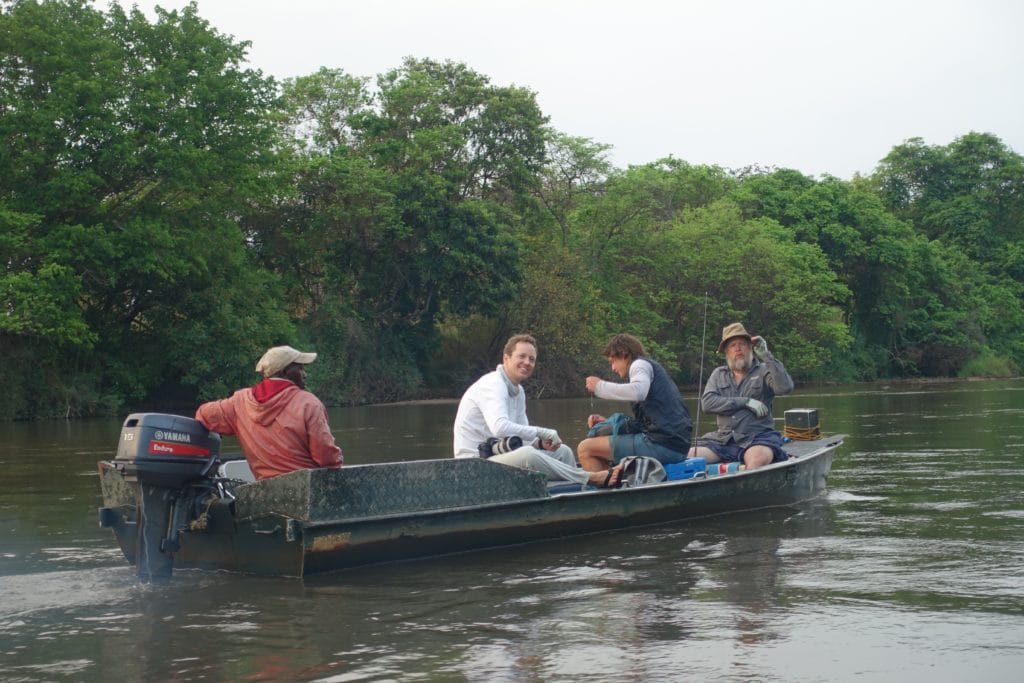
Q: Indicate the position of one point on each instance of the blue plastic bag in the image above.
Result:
(613, 425)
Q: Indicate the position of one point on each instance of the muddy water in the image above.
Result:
(910, 567)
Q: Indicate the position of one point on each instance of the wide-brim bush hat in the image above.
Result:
(732, 331)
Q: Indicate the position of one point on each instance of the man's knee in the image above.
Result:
(593, 453)
(703, 452)
(758, 456)
(565, 454)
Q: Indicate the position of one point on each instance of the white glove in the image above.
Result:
(761, 348)
(759, 408)
(545, 434)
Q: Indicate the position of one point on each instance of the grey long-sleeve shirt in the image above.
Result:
(727, 400)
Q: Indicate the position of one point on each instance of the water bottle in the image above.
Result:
(724, 468)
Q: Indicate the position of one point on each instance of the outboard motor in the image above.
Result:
(166, 456)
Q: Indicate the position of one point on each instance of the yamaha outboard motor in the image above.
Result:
(167, 457)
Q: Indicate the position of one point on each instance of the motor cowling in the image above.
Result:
(169, 458)
(168, 451)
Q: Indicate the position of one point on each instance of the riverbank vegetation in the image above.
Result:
(167, 212)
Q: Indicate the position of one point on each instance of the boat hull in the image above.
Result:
(316, 521)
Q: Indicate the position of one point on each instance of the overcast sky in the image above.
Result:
(821, 86)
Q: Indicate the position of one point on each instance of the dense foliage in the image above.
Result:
(166, 213)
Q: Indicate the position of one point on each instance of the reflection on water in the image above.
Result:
(909, 566)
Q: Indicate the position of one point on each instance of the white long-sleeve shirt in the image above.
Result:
(641, 374)
(491, 406)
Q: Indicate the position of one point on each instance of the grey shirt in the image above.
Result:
(727, 400)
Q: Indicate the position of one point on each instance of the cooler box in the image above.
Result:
(802, 424)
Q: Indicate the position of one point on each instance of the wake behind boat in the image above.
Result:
(170, 504)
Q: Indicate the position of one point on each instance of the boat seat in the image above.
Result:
(236, 469)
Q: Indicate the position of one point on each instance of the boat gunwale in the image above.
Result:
(833, 442)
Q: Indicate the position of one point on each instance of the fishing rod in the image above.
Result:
(700, 382)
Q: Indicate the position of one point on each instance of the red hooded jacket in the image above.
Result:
(281, 427)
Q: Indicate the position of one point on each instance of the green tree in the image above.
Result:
(968, 196)
(661, 236)
(134, 146)
(617, 233)
(323, 108)
(576, 168)
(909, 313)
(750, 270)
(406, 212)
(969, 193)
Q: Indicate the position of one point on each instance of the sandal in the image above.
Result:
(618, 482)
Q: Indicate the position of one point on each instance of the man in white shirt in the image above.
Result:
(495, 406)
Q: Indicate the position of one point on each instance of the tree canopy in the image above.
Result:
(166, 213)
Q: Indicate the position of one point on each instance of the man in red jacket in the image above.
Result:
(281, 426)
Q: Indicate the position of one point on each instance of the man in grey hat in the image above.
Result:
(740, 394)
(281, 426)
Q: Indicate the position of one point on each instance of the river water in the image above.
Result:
(911, 567)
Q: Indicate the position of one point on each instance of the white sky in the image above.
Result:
(821, 86)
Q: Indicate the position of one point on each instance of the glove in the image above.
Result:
(759, 409)
(761, 348)
(545, 434)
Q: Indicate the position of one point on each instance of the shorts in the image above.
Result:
(733, 452)
(625, 445)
